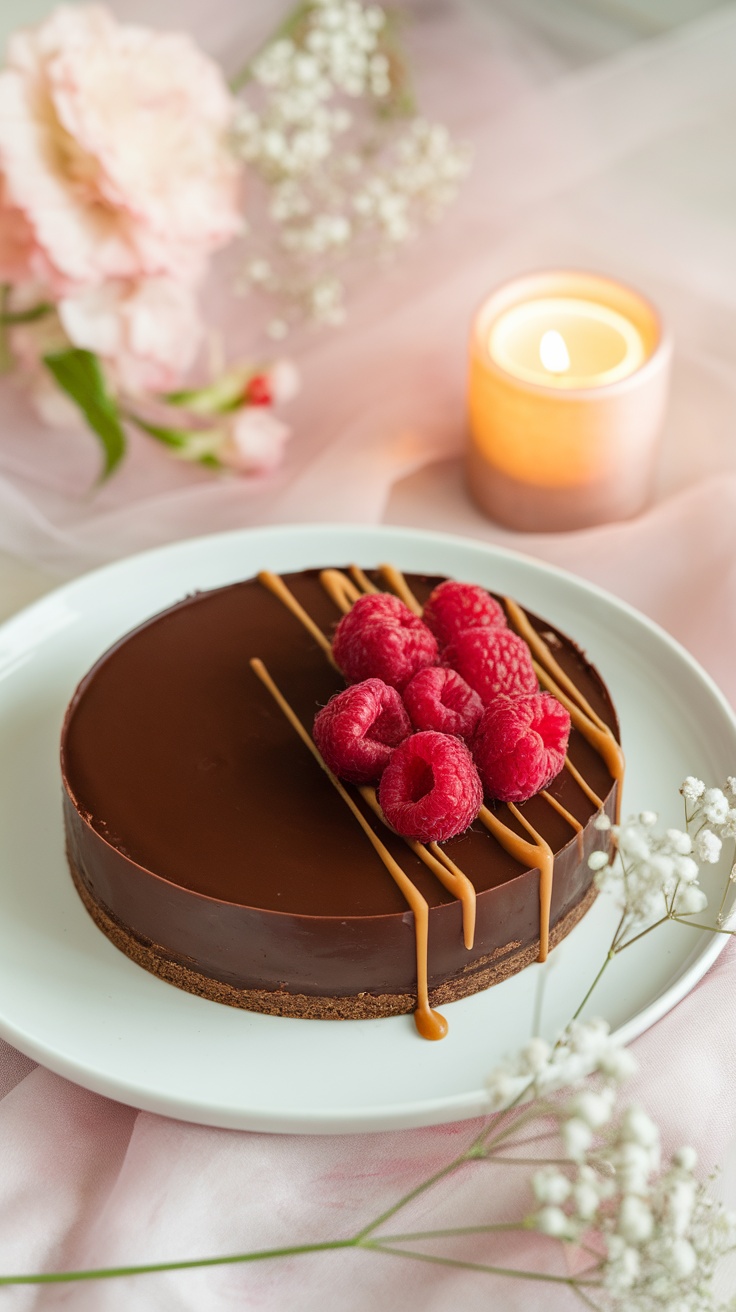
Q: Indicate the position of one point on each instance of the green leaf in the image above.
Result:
(78, 373)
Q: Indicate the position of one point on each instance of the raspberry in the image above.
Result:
(430, 789)
(439, 698)
(520, 745)
(453, 606)
(495, 662)
(358, 729)
(381, 638)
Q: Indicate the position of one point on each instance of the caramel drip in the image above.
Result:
(546, 862)
(339, 588)
(571, 819)
(590, 724)
(583, 783)
(362, 579)
(537, 855)
(398, 584)
(604, 743)
(429, 1023)
(544, 655)
(279, 589)
(450, 876)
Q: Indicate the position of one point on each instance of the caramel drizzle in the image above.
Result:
(276, 585)
(449, 875)
(339, 588)
(590, 724)
(593, 797)
(362, 579)
(398, 584)
(571, 819)
(430, 1024)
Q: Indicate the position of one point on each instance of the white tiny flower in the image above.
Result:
(502, 1088)
(634, 1165)
(690, 901)
(680, 1204)
(602, 822)
(586, 1200)
(633, 844)
(593, 1108)
(648, 818)
(708, 846)
(686, 869)
(638, 1127)
(685, 1157)
(728, 829)
(534, 1055)
(598, 860)
(551, 1186)
(683, 1258)
(624, 1266)
(552, 1221)
(692, 789)
(635, 1220)
(731, 786)
(681, 842)
(663, 867)
(618, 1064)
(577, 1137)
(715, 806)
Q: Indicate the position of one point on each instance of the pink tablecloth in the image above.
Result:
(614, 162)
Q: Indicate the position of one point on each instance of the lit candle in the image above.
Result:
(568, 384)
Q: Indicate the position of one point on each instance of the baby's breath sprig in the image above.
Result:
(345, 164)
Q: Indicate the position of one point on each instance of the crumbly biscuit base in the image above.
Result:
(483, 973)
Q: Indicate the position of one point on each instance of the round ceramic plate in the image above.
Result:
(69, 999)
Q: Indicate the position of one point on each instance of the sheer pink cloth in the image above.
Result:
(592, 150)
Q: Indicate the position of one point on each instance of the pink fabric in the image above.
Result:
(581, 160)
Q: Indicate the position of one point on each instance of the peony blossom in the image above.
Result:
(147, 334)
(114, 154)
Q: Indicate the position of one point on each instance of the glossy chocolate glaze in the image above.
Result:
(198, 822)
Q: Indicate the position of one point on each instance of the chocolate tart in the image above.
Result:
(209, 846)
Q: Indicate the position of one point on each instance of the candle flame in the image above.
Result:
(554, 353)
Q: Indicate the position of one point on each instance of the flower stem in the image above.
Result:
(10, 317)
(6, 358)
(608, 958)
(414, 1193)
(644, 933)
(712, 929)
(572, 1282)
(725, 895)
(110, 1273)
(451, 1233)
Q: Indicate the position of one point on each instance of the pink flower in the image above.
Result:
(114, 159)
(255, 441)
(147, 334)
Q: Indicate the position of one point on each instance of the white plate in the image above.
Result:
(69, 999)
